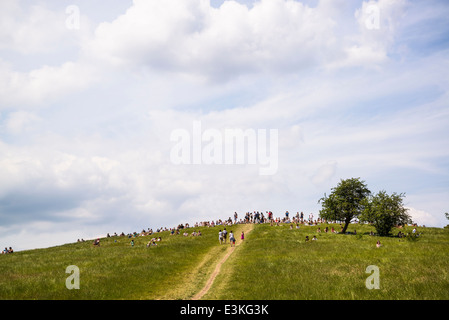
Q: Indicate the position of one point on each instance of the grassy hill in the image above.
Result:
(273, 263)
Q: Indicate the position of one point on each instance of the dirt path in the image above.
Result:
(247, 228)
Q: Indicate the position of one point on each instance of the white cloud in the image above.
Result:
(422, 217)
(373, 42)
(45, 84)
(36, 29)
(324, 173)
(378, 22)
(191, 37)
(20, 122)
(194, 41)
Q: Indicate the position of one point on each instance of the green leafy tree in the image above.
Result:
(385, 211)
(345, 202)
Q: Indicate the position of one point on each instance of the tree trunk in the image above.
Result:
(346, 225)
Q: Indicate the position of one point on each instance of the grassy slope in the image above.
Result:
(274, 263)
(113, 271)
(277, 263)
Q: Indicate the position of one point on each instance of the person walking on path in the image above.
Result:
(220, 236)
(242, 237)
(232, 239)
(225, 233)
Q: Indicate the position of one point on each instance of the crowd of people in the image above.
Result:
(256, 217)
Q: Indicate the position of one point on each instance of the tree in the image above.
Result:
(385, 211)
(447, 215)
(345, 202)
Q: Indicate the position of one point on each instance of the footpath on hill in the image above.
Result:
(246, 229)
(196, 282)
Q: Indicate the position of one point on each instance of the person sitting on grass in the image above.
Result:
(151, 243)
(97, 242)
(378, 245)
(307, 238)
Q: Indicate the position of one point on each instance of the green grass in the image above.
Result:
(274, 263)
(115, 270)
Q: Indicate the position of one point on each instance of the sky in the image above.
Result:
(112, 112)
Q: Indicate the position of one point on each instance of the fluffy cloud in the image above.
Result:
(422, 217)
(192, 37)
(43, 85)
(30, 31)
(20, 122)
(324, 173)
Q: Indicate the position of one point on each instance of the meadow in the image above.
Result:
(273, 263)
(174, 269)
(278, 264)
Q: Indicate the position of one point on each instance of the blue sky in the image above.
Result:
(86, 112)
